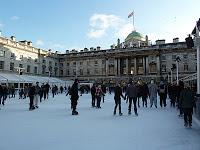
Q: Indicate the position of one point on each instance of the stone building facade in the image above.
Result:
(21, 54)
(126, 60)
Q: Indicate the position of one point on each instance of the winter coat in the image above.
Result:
(118, 93)
(93, 90)
(99, 92)
(74, 92)
(37, 89)
(144, 90)
(132, 91)
(31, 91)
(153, 89)
(187, 99)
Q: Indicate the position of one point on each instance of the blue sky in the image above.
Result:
(68, 24)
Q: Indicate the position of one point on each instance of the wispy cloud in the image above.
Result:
(101, 24)
(13, 18)
(1, 25)
(40, 43)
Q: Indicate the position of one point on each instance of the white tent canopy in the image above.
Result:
(13, 78)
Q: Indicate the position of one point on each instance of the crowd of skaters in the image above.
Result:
(181, 96)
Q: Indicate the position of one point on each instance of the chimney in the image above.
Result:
(30, 43)
(91, 48)
(67, 51)
(24, 42)
(111, 47)
(13, 38)
(98, 48)
(175, 40)
(85, 49)
(160, 42)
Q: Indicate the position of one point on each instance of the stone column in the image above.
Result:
(147, 65)
(158, 65)
(135, 66)
(127, 65)
(144, 65)
(106, 67)
(116, 67)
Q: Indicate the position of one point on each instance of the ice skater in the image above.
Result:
(117, 98)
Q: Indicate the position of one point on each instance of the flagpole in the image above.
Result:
(133, 21)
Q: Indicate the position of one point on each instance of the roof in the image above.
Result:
(134, 36)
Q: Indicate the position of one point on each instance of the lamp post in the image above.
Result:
(177, 67)
(197, 43)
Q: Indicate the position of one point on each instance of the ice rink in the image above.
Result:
(52, 127)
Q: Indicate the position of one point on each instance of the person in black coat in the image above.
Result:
(31, 94)
(144, 93)
(74, 97)
(93, 91)
(117, 98)
(187, 103)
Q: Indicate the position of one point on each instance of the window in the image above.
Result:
(152, 68)
(1, 64)
(81, 63)
(56, 71)
(61, 64)
(61, 72)
(185, 56)
(29, 59)
(12, 66)
(56, 64)
(43, 69)
(35, 70)
(12, 55)
(67, 72)
(28, 68)
(43, 61)
(81, 71)
(163, 67)
(67, 64)
(140, 61)
(174, 57)
(88, 71)
(74, 72)
(163, 58)
(74, 63)
(2, 53)
(195, 56)
(103, 61)
(185, 67)
(96, 71)
(96, 62)
(36, 60)
(20, 65)
(50, 63)
(21, 57)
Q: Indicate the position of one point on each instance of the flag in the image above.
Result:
(130, 15)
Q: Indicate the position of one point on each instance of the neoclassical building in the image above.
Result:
(133, 58)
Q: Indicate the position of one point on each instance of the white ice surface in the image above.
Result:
(52, 127)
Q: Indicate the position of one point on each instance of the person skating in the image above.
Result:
(117, 98)
(132, 93)
(37, 94)
(187, 103)
(99, 93)
(74, 97)
(162, 92)
(31, 94)
(93, 91)
(144, 93)
(153, 93)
